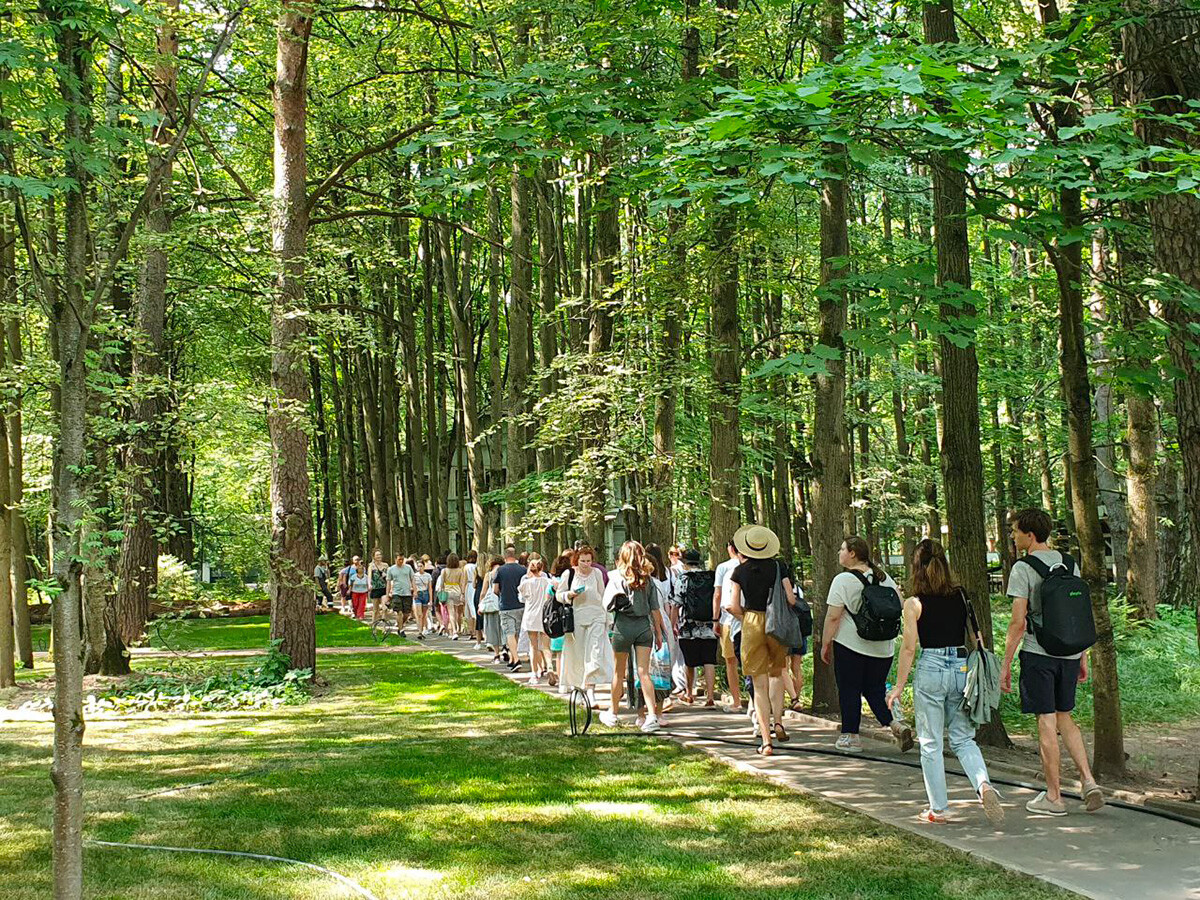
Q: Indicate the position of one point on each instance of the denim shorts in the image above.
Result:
(422, 598)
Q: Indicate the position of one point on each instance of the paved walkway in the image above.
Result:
(1115, 853)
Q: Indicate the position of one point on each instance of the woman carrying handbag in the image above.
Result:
(935, 616)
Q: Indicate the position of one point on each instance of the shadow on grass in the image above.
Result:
(420, 776)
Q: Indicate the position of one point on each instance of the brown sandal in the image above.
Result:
(765, 750)
(780, 734)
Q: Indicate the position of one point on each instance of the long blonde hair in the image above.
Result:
(634, 565)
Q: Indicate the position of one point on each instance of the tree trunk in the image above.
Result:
(1083, 490)
(961, 448)
(831, 456)
(12, 336)
(724, 463)
(519, 320)
(322, 434)
(1112, 494)
(662, 506)
(70, 321)
(8, 675)
(1141, 587)
(292, 543)
(495, 479)
(137, 571)
(1163, 58)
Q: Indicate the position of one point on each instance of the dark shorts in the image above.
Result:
(698, 652)
(631, 631)
(802, 649)
(1048, 683)
(376, 593)
(402, 602)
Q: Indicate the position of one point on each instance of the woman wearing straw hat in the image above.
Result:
(763, 657)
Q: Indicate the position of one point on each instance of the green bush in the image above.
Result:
(271, 684)
(178, 587)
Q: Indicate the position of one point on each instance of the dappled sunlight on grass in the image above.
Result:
(422, 777)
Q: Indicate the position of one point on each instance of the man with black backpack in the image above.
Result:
(695, 614)
(1052, 620)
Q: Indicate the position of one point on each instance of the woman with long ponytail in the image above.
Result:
(860, 665)
(935, 616)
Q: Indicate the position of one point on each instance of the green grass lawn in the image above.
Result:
(247, 633)
(423, 777)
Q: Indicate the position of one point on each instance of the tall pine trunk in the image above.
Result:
(292, 553)
(724, 463)
(831, 453)
(1163, 58)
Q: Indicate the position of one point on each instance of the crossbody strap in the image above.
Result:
(974, 623)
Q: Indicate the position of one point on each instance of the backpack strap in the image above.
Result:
(973, 623)
(866, 582)
(1039, 566)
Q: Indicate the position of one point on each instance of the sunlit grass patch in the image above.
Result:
(422, 777)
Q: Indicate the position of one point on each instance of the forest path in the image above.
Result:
(1115, 853)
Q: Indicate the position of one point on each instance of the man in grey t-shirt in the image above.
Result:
(1047, 682)
(400, 590)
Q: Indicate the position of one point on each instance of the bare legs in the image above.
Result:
(642, 663)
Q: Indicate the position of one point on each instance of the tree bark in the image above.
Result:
(292, 543)
(1083, 489)
(1112, 494)
(961, 450)
(137, 571)
(520, 313)
(71, 320)
(724, 462)
(830, 482)
(1163, 58)
(1141, 480)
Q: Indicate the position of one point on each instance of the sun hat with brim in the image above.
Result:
(756, 542)
(691, 556)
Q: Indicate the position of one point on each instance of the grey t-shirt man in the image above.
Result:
(1023, 581)
(401, 578)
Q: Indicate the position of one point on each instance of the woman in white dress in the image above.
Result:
(532, 592)
(587, 652)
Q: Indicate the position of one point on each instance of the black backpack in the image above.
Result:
(695, 592)
(1065, 626)
(558, 618)
(880, 616)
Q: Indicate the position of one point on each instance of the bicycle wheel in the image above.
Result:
(380, 631)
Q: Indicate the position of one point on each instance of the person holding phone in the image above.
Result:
(587, 654)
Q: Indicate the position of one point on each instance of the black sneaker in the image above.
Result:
(420, 636)
(514, 667)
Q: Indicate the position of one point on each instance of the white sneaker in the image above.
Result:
(609, 719)
(849, 743)
(650, 725)
(478, 645)
(564, 688)
(535, 678)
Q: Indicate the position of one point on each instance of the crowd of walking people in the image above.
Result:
(678, 621)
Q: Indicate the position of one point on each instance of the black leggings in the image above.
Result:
(860, 676)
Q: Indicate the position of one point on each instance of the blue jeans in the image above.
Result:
(937, 694)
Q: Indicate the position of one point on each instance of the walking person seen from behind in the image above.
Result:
(935, 616)
(763, 657)
(864, 617)
(505, 583)
(1048, 681)
(637, 627)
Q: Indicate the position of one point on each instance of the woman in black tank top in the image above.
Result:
(935, 615)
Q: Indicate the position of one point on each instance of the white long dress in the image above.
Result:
(587, 652)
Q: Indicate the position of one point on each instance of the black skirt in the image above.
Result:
(698, 652)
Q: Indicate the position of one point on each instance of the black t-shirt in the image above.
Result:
(756, 577)
(509, 576)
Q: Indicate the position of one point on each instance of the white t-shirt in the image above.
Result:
(724, 580)
(846, 590)
(1024, 582)
(421, 581)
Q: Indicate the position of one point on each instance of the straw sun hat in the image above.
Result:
(756, 542)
